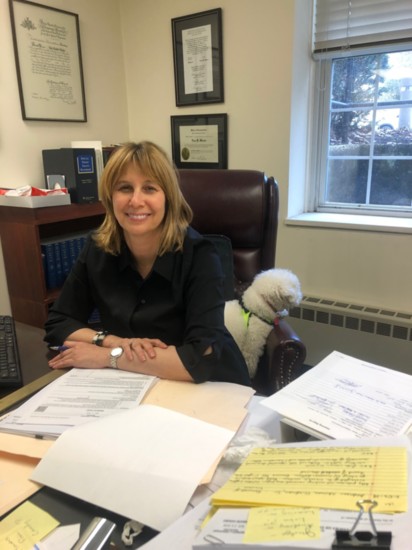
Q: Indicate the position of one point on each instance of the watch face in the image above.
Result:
(116, 352)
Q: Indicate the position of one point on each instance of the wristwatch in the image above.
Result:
(115, 354)
(99, 337)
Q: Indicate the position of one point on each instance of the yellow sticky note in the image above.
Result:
(24, 527)
(268, 524)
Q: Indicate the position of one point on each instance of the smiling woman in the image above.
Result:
(139, 207)
(157, 283)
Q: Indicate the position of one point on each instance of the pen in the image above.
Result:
(58, 348)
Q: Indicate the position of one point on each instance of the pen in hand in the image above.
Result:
(58, 348)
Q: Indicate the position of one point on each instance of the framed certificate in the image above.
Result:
(198, 58)
(48, 62)
(199, 141)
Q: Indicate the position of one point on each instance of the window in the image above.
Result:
(363, 119)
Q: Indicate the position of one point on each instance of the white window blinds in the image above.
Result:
(355, 23)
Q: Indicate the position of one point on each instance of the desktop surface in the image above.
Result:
(69, 510)
(32, 352)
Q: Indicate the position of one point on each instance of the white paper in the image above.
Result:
(228, 527)
(183, 532)
(197, 59)
(144, 463)
(62, 538)
(199, 143)
(77, 397)
(49, 59)
(345, 397)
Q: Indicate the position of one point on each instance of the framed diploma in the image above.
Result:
(199, 141)
(198, 58)
(48, 62)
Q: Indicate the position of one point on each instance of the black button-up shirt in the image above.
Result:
(181, 302)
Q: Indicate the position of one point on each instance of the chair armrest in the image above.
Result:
(281, 362)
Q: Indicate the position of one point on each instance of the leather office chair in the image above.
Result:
(243, 206)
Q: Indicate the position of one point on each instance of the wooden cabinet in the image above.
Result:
(21, 232)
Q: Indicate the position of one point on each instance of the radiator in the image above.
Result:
(380, 336)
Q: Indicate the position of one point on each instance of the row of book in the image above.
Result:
(58, 256)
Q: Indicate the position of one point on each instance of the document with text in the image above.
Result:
(334, 477)
(80, 396)
(345, 397)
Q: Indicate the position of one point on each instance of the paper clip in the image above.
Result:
(363, 539)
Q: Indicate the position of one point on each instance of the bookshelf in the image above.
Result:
(22, 231)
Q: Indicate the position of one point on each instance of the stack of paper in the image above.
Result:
(77, 397)
(321, 477)
(148, 459)
(344, 397)
(146, 465)
(297, 495)
(266, 528)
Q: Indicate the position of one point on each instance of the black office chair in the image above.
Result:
(243, 206)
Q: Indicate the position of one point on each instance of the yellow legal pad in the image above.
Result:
(319, 477)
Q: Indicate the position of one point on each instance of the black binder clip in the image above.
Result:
(363, 539)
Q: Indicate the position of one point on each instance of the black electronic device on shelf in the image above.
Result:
(10, 368)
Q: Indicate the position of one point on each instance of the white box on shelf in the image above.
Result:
(36, 201)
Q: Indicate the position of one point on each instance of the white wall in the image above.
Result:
(260, 86)
(257, 48)
(21, 142)
(261, 49)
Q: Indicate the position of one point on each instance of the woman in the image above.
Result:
(156, 282)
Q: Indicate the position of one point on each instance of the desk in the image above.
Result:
(36, 373)
(32, 353)
(180, 534)
(68, 510)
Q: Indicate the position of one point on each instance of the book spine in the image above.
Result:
(58, 263)
(50, 266)
(71, 244)
(65, 258)
(79, 243)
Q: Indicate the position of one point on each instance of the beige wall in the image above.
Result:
(264, 133)
(21, 142)
(260, 88)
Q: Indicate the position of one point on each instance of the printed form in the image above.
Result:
(75, 398)
(345, 397)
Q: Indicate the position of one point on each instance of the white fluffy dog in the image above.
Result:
(269, 297)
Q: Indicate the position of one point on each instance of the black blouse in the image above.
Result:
(181, 302)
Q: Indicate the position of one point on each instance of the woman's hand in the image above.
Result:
(89, 356)
(142, 348)
(81, 355)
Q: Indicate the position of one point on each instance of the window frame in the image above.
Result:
(319, 143)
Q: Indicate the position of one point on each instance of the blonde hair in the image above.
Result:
(155, 165)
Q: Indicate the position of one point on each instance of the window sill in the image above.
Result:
(352, 221)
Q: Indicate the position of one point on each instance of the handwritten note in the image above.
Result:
(24, 527)
(267, 524)
(320, 477)
(227, 528)
(345, 397)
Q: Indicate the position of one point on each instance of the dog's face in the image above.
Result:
(273, 291)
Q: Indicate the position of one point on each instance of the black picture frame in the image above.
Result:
(48, 58)
(199, 141)
(198, 58)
